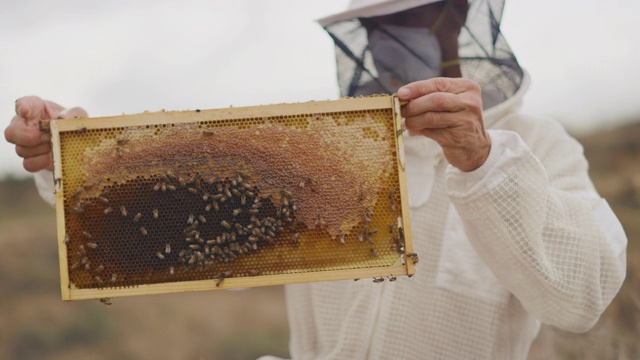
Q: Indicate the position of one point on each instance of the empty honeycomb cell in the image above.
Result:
(220, 198)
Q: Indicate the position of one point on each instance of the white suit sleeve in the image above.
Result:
(45, 186)
(535, 218)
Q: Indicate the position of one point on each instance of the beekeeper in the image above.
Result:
(508, 226)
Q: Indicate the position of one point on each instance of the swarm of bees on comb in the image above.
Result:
(214, 199)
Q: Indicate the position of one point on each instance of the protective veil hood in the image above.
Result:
(485, 56)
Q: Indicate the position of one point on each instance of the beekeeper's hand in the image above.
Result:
(32, 144)
(449, 111)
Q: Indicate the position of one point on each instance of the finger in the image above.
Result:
(436, 102)
(432, 120)
(23, 134)
(38, 163)
(26, 152)
(33, 108)
(441, 84)
(73, 113)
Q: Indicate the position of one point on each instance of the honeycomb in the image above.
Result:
(229, 193)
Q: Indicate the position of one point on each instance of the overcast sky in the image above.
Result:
(122, 56)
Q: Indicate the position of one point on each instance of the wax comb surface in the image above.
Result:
(236, 197)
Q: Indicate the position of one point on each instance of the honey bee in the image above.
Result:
(225, 224)
(171, 271)
(392, 278)
(369, 239)
(167, 249)
(320, 221)
(342, 239)
(414, 257)
(159, 255)
(103, 199)
(75, 266)
(155, 213)
(92, 245)
(98, 279)
(143, 231)
(301, 183)
(137, 217)
(77, 210)
(390, 228)
(99, 269)
(157, 187)
(171, 187)
(208, 207)
(193, 190)
(81, 130)
(123, 210)
(86, 234)
(114, 277)
(122, 141)
(67, 239)
(194, 246)
(106, 301)
(295, 237)
(208, 132)
(374, 253)
(378, 280)
(163, 187)
(202, 219)
(77, 193)
(361, 197)
(190, 219)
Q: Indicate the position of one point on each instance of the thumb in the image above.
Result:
(33, 108)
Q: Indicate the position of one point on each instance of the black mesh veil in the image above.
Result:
(485, 56)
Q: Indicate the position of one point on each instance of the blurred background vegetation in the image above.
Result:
(36, 324)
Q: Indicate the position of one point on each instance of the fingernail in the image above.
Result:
(404, 122)
(403, 92)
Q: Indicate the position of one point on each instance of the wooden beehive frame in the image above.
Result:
(400, 267)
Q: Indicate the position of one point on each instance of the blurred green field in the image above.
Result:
(36, 324)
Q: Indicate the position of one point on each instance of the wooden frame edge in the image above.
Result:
(185, 116)
(234, 283)
(60, 221)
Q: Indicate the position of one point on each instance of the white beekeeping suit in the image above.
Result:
(523, 239)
